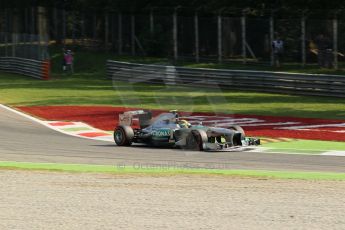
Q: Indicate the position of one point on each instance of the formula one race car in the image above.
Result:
(167, 129)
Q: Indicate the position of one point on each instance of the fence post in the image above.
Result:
(175, 34)
(9, 21)
(15, 31)
(13, 45)
(55, 22)
(83, 35)
(42, 26)
(46, 40)
(32, 32)
(151, 22)
(6, 45)
(133, 34)
(220, 40)
(6, 32)
(106, 30)
(33, 22)
(64, 26)
(113, 31)
(120, 33)
(244, 38)
(271, 40)
(26, 16)
(303, 40)
(94, 26)
(32, 46)
(335, 42)
(73, 17)
(196, 28)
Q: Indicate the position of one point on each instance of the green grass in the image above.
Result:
(89, 86)
(94, 89)
(83, 168)
(308, 145)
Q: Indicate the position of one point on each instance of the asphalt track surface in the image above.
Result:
(27, 141)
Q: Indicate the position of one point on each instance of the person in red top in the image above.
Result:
(68, 56)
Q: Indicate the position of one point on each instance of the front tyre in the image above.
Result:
(196, 139)
(238, 129)
(236, 138)
(123, 135)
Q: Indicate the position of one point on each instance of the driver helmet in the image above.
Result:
(184, 124)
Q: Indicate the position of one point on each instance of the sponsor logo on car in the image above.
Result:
(161, 133)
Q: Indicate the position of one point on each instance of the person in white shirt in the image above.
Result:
(278, 50)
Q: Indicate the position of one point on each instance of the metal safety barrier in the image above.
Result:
(259, 81)
(27, 67)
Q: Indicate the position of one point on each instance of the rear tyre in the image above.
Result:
(123, 135)
(196, 139)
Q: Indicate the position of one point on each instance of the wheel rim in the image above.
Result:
(192, 142)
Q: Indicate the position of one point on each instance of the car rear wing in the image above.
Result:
(144, 117)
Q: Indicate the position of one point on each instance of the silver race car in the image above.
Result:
(167, 129)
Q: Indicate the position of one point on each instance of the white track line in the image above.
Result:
(110, 138)
(24, 115)
(334, 153)
(45, 123)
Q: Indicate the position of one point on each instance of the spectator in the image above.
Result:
(324, 51)
(64, 52)
(278, 50)
(68, 56)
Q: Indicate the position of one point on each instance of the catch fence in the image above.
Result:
(259, 81)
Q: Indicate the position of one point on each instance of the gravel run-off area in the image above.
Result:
(60, 200)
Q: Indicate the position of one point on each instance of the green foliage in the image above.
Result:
(157, 43)
(211, 5)
(91, 62)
